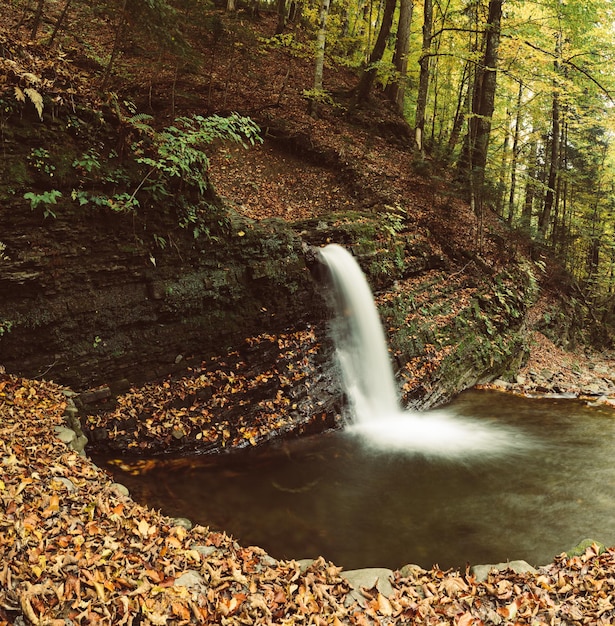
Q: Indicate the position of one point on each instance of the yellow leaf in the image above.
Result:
(37, 100)
(384, 606)
(144, 528)
(31, 78)
(20, 96)
(100, 590)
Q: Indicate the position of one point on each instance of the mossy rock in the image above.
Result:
(581, 548)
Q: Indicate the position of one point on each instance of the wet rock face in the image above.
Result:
(84, 302)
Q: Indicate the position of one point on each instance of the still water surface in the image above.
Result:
(357, 506)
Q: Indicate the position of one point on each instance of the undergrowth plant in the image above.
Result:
(173, 167)
(44, 200)
(170, 167)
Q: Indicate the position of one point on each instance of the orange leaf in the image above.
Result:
(467, 619)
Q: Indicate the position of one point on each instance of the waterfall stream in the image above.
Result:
(377, 416)
(359, 339)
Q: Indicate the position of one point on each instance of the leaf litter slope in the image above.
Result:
(265, 388)
(73, 547)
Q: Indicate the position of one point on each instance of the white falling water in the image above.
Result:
(360, 341)
(370, 384)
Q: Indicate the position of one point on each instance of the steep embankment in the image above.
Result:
(95, 290)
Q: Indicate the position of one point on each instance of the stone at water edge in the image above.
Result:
(582, 546)
(520, 567)
(379, 577)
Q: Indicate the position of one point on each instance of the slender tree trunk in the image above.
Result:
(60, 21)
(369, 73)
(319, 64)
(504, 163)
(462, 106)
(24, 15)
(515, 157)
(358, 18)
(545, 216)
(116, 45)
(530, 188)
(474, 156)
(486, 103)
(281, 17)
(320, 45)
(562, 219)
(559, 226)
(397, 88)
(37, 19)
(421, 99)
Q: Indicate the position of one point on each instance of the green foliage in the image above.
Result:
(178, 164)
(171, 167)
(45, 199)
(287, 42)
(6, 326)
(88, 162)
(393, 222)
(318, 96)
(40, 159)
(176, 157)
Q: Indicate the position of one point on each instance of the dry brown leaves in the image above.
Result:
(30, 71)
(72, 547)
(227, 402)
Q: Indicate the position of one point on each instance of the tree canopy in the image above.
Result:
(518, 96)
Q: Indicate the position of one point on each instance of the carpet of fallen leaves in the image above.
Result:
(75, 550)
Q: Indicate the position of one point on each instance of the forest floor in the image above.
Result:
(73, 547)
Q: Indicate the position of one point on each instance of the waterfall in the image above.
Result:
(378, 417)
(360, 341)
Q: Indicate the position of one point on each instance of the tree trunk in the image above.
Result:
(545, 216)
(281, 17)
(369, 73)
(515, 157)
(421, 99)
(488, 71)
(462, 106)
(319, 64)
(530, 187)
(397, 88)
(116, 45)
(504, 163)
(37, 19)
(60, 21)
(473, 159)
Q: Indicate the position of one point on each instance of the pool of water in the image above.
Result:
(360, 505)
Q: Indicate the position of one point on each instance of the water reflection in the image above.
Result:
(359, 507)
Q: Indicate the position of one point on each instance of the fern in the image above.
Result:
(139, 121)
(37, 100)
(34, 96)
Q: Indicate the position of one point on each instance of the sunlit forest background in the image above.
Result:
(512, 100)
